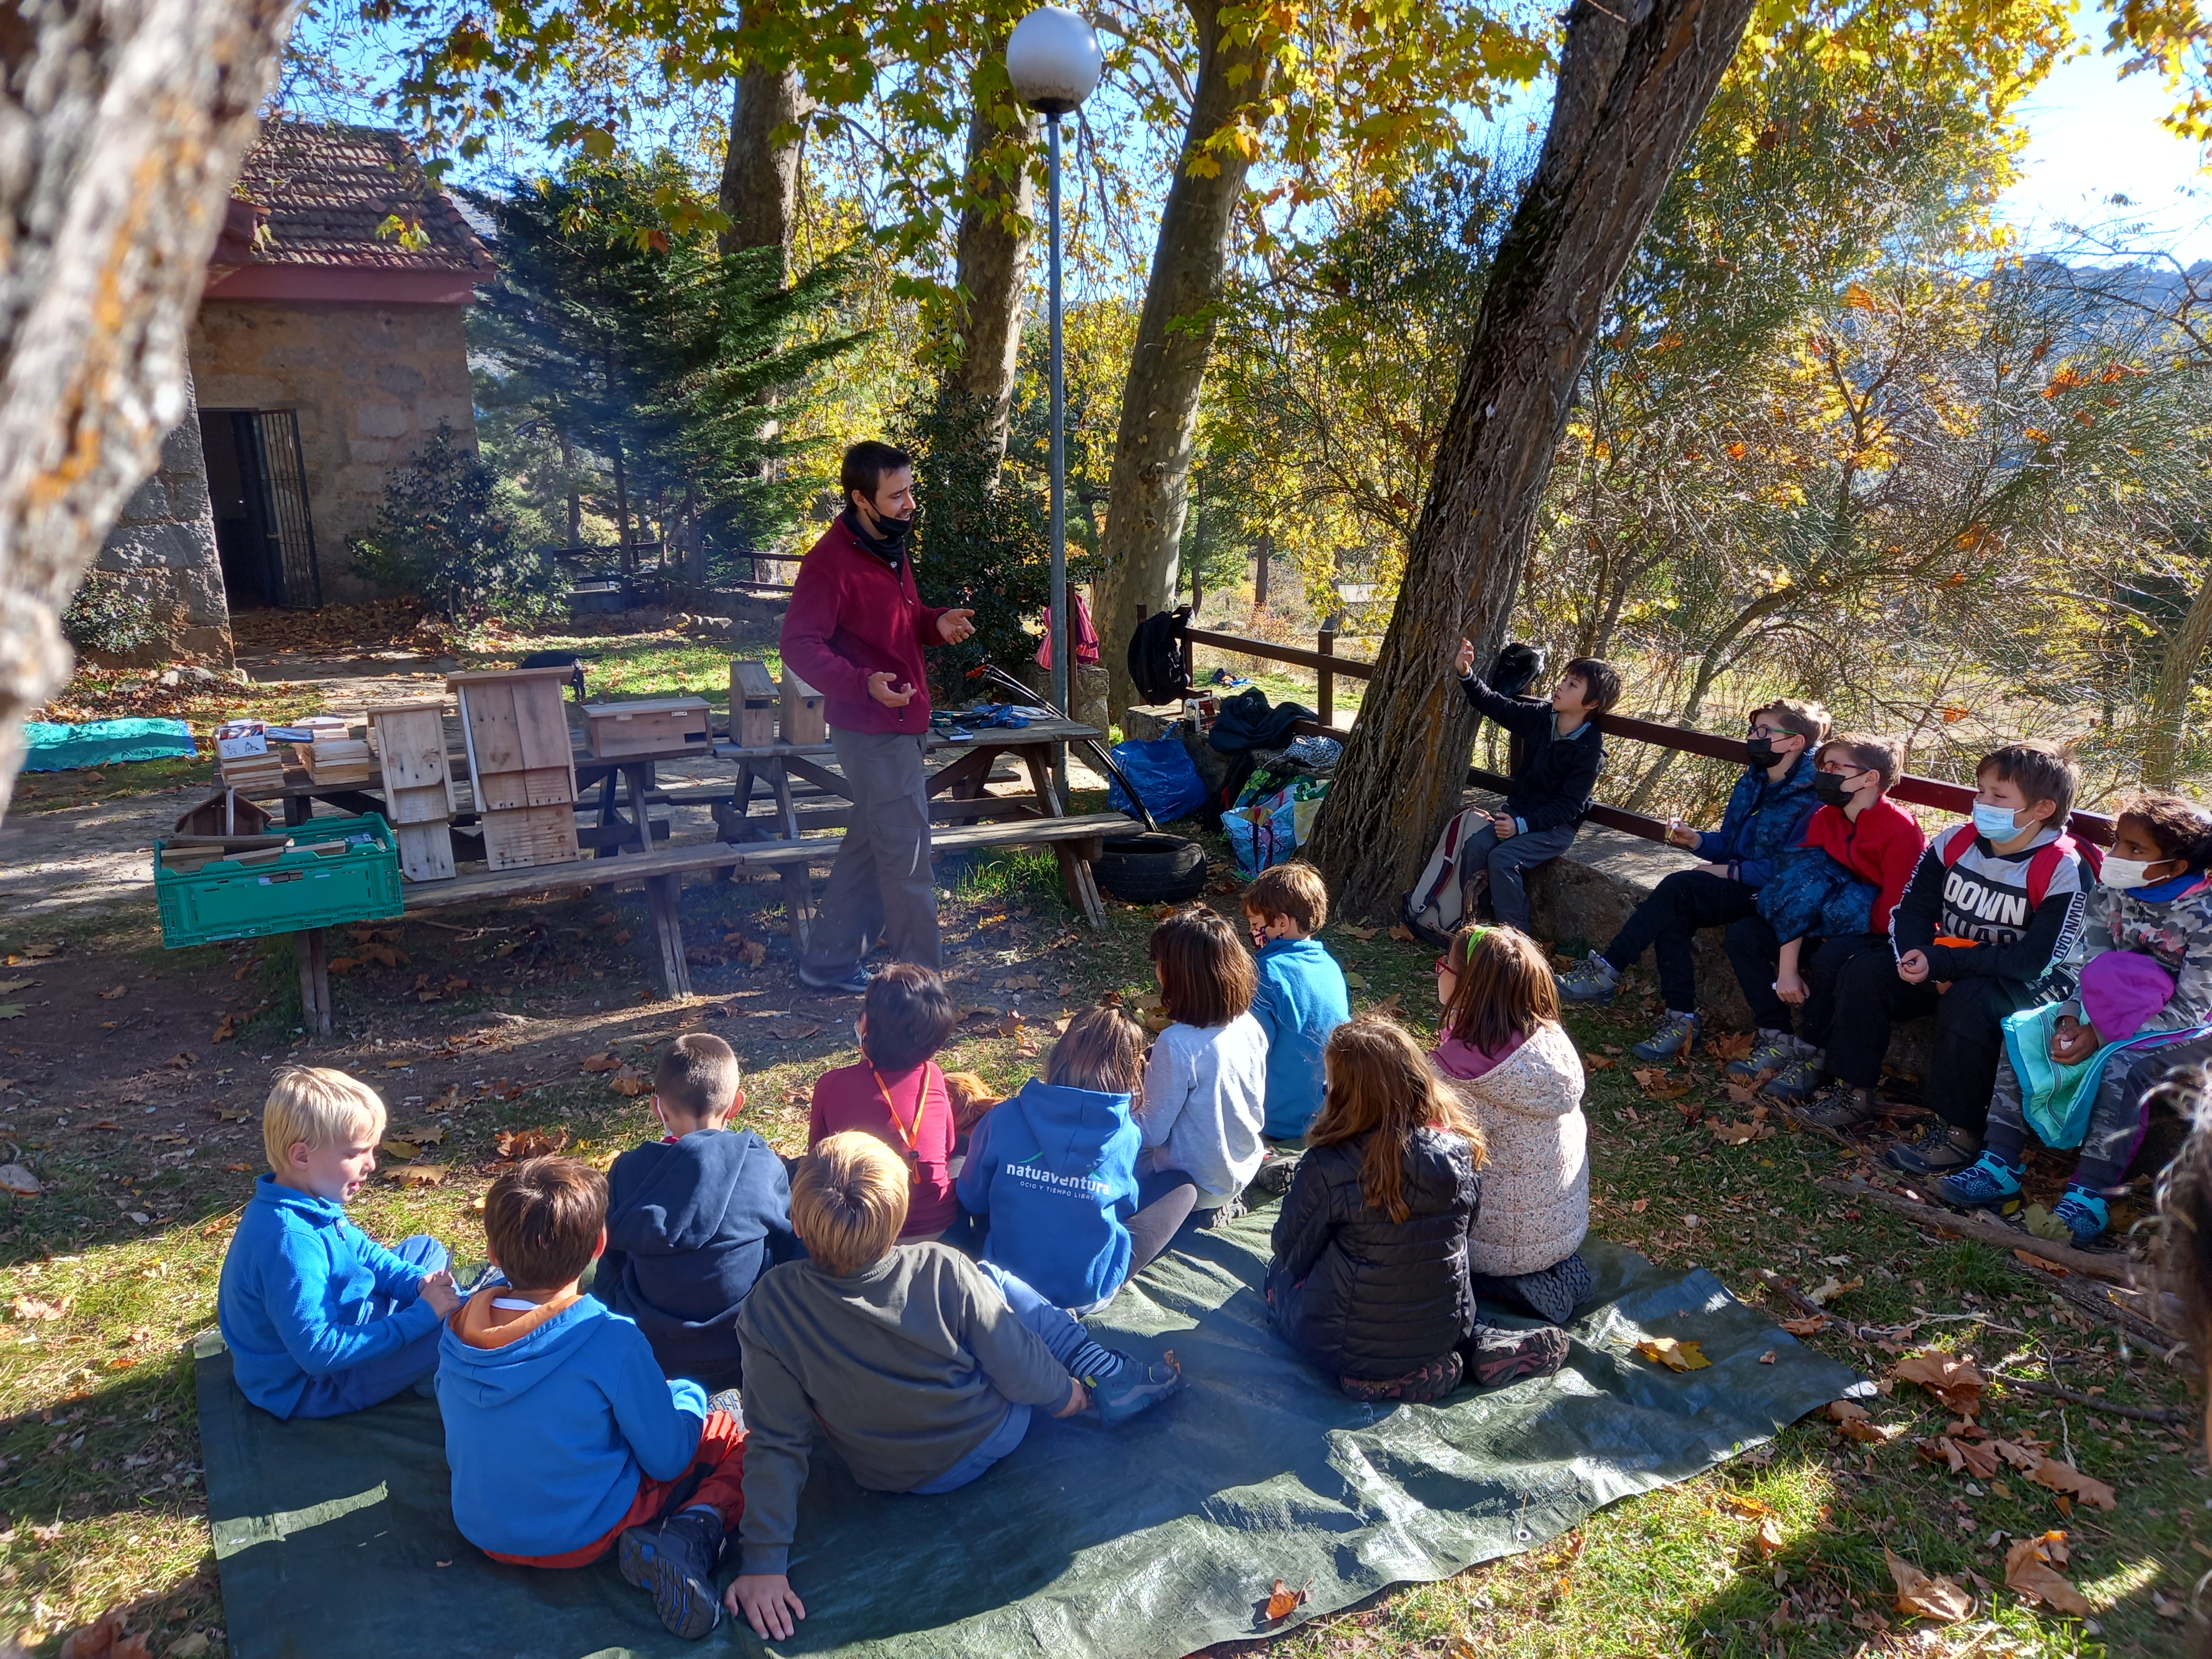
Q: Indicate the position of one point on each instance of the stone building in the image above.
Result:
(327, 350)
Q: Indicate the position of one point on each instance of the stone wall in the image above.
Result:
(371, 384)
(163, 544)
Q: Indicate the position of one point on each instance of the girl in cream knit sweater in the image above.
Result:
(1519, 1076)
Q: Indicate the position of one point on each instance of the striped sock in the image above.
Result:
(1093, 1364)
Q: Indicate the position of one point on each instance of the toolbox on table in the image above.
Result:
(336, 870)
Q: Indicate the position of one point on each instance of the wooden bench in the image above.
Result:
(1077, 840)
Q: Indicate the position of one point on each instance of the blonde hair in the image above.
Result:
(315, 1104)
(848, 1199)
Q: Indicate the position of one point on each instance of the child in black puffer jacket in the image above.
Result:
(1370, 1275)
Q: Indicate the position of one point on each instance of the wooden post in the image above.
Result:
(1325, 643)
(1262, 552)
(315, 979)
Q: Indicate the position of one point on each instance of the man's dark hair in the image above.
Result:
(1600, 681)
(910, 1013)
(865, 464)
(542, 1220)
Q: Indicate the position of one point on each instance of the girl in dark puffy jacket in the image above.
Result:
(1370, 1275)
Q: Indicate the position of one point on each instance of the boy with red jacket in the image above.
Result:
(855, 632)
(1836, 889)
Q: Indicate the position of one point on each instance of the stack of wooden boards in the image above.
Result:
(334, 756)
(418, 784)
(185, 853)
(523, 765)
(261, 773)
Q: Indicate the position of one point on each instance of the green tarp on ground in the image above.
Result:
(335, 1540)
(48, 747)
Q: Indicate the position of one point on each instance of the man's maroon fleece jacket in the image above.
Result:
(851, 615)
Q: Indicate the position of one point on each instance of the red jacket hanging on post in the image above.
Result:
(1079, 624)
(851, 615)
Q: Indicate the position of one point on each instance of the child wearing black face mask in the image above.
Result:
(1831, 897)
(1766, 817)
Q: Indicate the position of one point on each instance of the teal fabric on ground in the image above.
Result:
(51, 748)
(335, 1540)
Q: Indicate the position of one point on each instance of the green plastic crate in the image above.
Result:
(300, 888)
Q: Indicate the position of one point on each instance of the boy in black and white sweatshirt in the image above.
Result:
(1993, 906)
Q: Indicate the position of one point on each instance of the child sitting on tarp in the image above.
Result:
(896, 1092)
(1369, 1279)
(694, 1218)
(1301, 995)
(1516, 1073)
(1205, 1086)
(921, 1367)
(2146, 996)
(564, 1439)
(1052, 1172)
(320, 1318)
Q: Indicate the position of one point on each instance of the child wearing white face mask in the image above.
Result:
(2129, 1030)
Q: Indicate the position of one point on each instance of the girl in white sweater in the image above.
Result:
(1206, 1084)
(1519, 1076)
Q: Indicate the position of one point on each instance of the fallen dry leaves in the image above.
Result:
(1675, 1355)
(629, 1080)
(1660, 1083)
(516, 1145)
(2064, 1479)
(1283, 1601)
(29, 1308)
(1810, 1325)
(1831, 1287)
(1852, 1422)
(790, 1028)
(416, 1175)
(15, 1178)
(2031, 1570)
(1943, 1600)
(103, 1639)
(1952, 1380)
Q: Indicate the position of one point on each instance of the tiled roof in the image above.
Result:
(327, 188)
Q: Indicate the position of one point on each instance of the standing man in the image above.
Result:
(855, 632)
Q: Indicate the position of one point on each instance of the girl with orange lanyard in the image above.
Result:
(896, 1093)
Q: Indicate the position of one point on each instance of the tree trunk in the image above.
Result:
(124, 128)
(1262, 551)
(1632, 89)
(760, 171)
(1159, 396)
(990, 261)
(2169, 709)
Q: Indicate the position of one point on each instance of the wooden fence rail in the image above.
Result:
(1326, 665)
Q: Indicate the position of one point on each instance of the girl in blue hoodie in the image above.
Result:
(1052, 1171)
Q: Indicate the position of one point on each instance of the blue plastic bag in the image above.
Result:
(1163, 772)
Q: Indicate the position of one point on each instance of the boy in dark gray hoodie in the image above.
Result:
(694, 1218)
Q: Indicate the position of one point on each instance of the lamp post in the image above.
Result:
(1054, 62)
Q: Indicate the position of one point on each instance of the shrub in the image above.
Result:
(451, 532)
(111, 615)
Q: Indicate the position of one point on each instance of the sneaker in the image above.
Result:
(1676, 1032)
(1416, 1387)
(1846, 1108)
(1273, 1176)
(1989, 1182)
(1135, 1387)
(1797, 1081)
(1940, 1149)
(1591, 980)
(2085, 1213)
(675, 1559)
(853, 982)
(1773, 1052)
(1503, 1356)
(1222, 1214)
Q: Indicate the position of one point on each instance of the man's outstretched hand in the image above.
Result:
(1463, 659)
(881, 689)
(955, 626)
(766, 1602)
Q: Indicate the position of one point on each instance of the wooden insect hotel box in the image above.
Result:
(804, 720)
(333, 755)
(410, 738)
(752, 705)
(667, 725)
(521, 764)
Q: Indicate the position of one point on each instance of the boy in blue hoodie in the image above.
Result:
(1052, 1173)
(320, 1318)
(694, 1218)
(1302, 996)
(564, 1439)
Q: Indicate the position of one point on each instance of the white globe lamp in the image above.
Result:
(1053, 60)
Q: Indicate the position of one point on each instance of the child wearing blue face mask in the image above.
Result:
(2153, 907)
(1994, 905)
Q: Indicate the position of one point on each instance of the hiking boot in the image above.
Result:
(2085, 1213)
(1416, 1387)
(853, 982)
(1773, 1052)
(1941, 1148)
(1591, 980)
(1503, 1356)
(1846, 1108)
(1273, 1176)
(1134, 1388)
(1676, 1032)
(1222, 1214)
(1797, 1081)
(1991, 1182)
(675, 1559)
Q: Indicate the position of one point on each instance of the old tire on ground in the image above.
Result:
(1150, 869)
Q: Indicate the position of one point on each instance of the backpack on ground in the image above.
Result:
(1438, 904)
